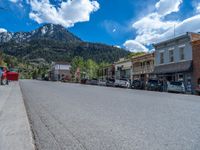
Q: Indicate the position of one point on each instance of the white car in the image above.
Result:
(101, 82)
(122, 83)
(177, 87)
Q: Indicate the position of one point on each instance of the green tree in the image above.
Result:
(91, 68)
(134, 54)
(76, 63)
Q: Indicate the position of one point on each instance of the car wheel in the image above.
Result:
(4, 82)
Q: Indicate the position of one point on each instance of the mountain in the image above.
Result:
(48, 32)
(54, 43)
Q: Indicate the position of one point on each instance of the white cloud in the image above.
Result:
(149, 28)
(187, 25)
(165, 7)
(160, 33)
(69, 12)
(153, 28)
(114, 30)
(134, 46)
(13, 1)
(2, 30)
(198, 8)
(117, 46)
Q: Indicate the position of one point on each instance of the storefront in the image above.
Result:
(176, 72)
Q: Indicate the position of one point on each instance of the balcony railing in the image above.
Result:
(143, 69)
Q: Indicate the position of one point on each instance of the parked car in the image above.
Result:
(154, 85)
(177, 87)
(198, 90)
(3, 75)
(110, 82)
(12, 76)
(92, 81)
(83, 81)
(125, 83)
(101, 82)
(137, 84)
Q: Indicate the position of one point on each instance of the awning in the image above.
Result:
(174, 67)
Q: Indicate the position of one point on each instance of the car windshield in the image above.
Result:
(124, 79)
(153, 81)
(111, 80)
(176, 83)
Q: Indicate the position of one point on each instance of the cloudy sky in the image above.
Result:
(132, 24)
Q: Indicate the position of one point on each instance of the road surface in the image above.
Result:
(82, 117)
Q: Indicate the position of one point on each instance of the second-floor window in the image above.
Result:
(181, 53)
(161, 57)
(171, 55)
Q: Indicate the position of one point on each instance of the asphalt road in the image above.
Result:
(82, 117)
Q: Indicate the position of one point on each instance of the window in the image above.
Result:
(180, 77)
(181, 53)
(171, 55)
(161, 57)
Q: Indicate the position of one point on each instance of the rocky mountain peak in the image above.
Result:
(47, 31)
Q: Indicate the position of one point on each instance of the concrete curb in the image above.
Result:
(15, 131)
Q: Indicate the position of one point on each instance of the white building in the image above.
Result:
(60, 71)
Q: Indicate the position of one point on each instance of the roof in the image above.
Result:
(174, 67)
(148, 56)
(122, 60)
(61, 63)
(187, 34)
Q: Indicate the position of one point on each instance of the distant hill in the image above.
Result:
(54, 43)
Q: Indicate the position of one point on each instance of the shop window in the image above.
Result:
(180, 77)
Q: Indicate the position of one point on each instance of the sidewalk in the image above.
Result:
(15, 133)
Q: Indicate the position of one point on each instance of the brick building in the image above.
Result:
(195, 41)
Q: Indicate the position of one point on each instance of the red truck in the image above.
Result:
(6, 75)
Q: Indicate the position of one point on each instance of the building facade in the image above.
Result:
(123, 69)
(107, 72)
(195, 41)
(143, 67)
(60, 71)
(176, 60)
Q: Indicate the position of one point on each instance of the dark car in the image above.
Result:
(92, 81)
(110, 82)
(137, 84)
(83, 81)
(198, 88)
(154, 85)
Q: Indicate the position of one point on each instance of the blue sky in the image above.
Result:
(133, 24)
